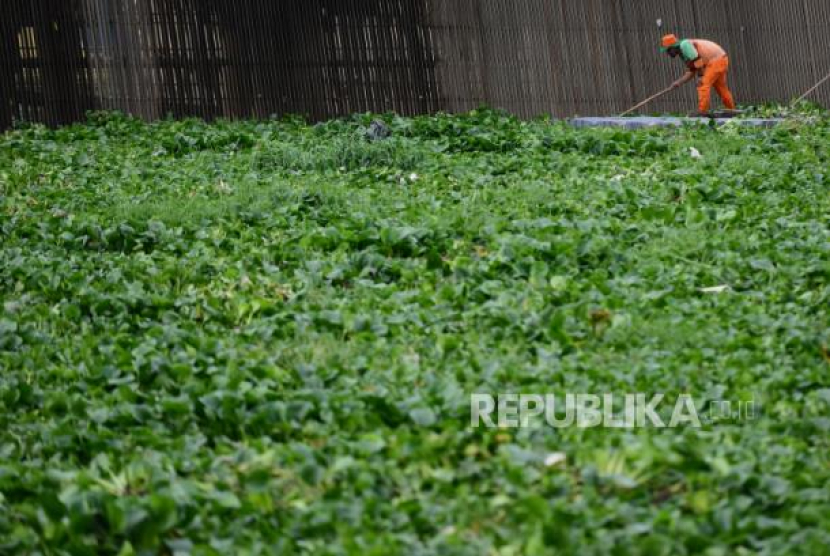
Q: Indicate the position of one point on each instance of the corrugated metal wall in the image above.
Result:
(594, 57)
(243, 58)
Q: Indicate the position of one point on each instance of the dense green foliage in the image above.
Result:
(261, 337)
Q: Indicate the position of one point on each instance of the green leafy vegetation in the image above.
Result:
(262, 337)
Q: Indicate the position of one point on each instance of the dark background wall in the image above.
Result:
(596, 57)
(321, 58)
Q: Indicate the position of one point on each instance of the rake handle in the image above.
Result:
(813, 88)
(646, 101)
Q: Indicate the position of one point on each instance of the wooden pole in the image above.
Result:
(646, 101)
(813, 88)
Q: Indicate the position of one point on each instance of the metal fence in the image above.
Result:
(322, 58)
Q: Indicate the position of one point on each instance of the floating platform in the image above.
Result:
(639, 122)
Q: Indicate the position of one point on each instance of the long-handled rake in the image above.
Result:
(813, 88)
(646, 101)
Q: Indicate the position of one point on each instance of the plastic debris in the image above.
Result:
(555, 458)
(378, 131)
(715, 289)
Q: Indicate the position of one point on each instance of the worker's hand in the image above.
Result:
(675, 85)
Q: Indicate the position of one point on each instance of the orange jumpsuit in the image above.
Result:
(710, 59)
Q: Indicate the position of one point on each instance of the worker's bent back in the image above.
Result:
(708, 50)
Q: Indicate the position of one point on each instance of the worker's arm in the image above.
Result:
(693, 63)
(688, 76)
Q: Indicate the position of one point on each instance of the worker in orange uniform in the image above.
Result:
(707, 60)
